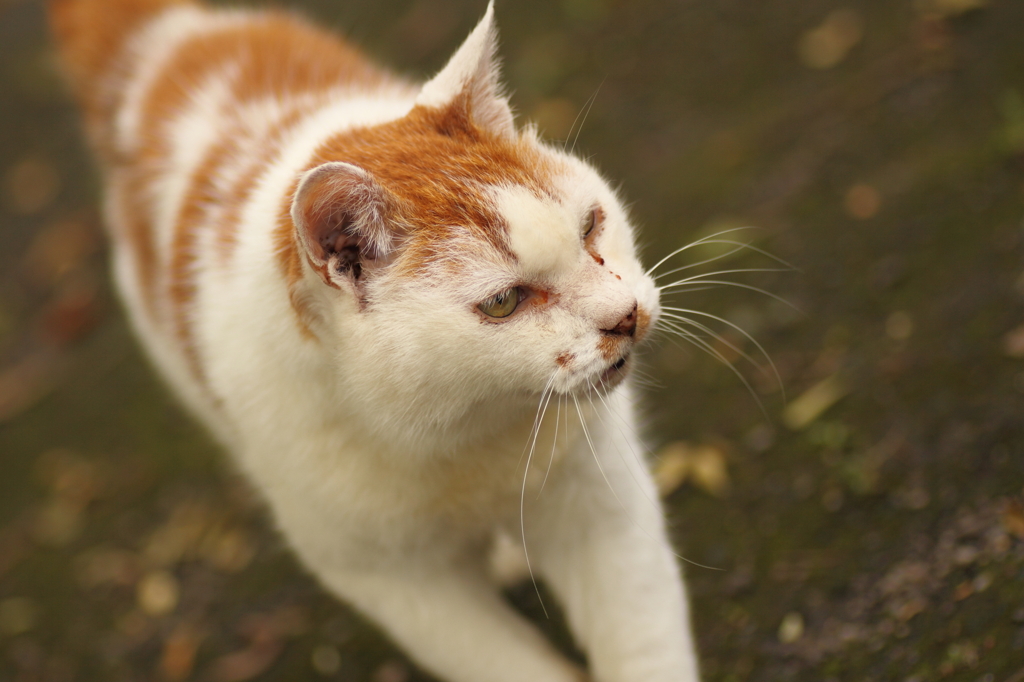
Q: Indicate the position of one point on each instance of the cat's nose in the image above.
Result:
(626, 326)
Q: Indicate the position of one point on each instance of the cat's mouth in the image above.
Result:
(614, 374)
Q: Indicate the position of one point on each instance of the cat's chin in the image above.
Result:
(614, 375)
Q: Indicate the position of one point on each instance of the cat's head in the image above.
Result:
(457, 263)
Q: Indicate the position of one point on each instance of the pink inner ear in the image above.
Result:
(340, 213)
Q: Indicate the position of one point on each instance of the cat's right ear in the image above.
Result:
(469, 86)
(342, 215)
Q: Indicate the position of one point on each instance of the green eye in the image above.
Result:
(501, 305)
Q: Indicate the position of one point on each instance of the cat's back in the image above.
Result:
(202, 119)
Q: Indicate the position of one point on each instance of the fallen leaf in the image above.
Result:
(862, 201)
(27, 382)
(704, 465)
(179, 652)
(326, 660)
(1013, 519)
(910, 608)
(392, 671)
(180, 537)
(247, 663)
(1013, 342)
(791, 628)
(157, 593)
(800, 413)
(826, 45)
(228, 549)
(963, 591)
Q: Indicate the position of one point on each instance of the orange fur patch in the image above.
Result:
(437, 164)
(610, 347)
(643, 323)
(565, 359)
(276, 56)
(241, 192)
(194, 213)
(90, 36)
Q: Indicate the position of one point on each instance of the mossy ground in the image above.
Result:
(879, 149)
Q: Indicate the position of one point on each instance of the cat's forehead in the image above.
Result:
(441, 168)
(542, 230)
(454, 181)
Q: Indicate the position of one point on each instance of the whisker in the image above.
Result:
(586, 434)
(554, 444)
(696, 278)
(720, 256)
(739, 247)
(641, 378)
(741, 330)
(711, 333)
(590, 442)
(702, 240)
(666, 288)
(609, 409)
(708, 348)
(542, 408)
(589, 105)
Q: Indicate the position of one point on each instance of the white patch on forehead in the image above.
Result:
(543, 234)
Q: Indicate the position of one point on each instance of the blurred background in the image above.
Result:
(866, 525)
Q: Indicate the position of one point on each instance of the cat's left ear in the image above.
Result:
(471, 81)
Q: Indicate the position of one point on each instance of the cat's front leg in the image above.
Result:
(599, 541)
(453, 622)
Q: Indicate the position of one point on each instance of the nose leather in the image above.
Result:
(626, 326)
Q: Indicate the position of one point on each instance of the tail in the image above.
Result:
(91, 34)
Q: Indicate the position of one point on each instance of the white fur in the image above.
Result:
(540, 232)
(394, 447)
(474, 69)
(149, 52)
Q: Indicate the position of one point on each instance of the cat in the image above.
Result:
(371, 291)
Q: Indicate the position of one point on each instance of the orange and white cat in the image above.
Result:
(371, 290)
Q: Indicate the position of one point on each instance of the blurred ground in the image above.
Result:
(872, 528)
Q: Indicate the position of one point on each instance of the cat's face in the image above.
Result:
(553, 297)
(466, 264)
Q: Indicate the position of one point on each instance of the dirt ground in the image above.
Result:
(868, 525)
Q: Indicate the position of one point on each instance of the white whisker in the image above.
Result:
(714, 335)
(743, 331)
(542, 407)
(554, 444)
(702, 240)
(702, 282)
(739, 247)
(695, 278)
(590, 442)
(589, 105)
(710, 350)
(635, 456)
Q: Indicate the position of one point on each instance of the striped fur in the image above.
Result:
(305, 243)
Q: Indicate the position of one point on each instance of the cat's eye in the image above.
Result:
(501, 305)
(591, 222)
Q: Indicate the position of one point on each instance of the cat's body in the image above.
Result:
(363, 287)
